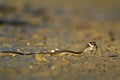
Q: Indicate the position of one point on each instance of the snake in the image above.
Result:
(89, 47)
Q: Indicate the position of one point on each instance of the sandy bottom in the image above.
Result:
(62, 27)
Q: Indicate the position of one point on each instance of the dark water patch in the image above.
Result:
(12, 20)
(40, 12)
(7, 8)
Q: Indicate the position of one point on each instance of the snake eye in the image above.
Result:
(93, 43)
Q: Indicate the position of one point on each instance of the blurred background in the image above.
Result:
(59, 12)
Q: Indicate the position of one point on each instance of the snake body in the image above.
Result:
(89, 47)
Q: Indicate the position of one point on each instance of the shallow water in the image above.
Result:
(65, 25)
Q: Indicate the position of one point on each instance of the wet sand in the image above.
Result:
(65, 25)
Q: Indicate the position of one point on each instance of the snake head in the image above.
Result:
(91, 46)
